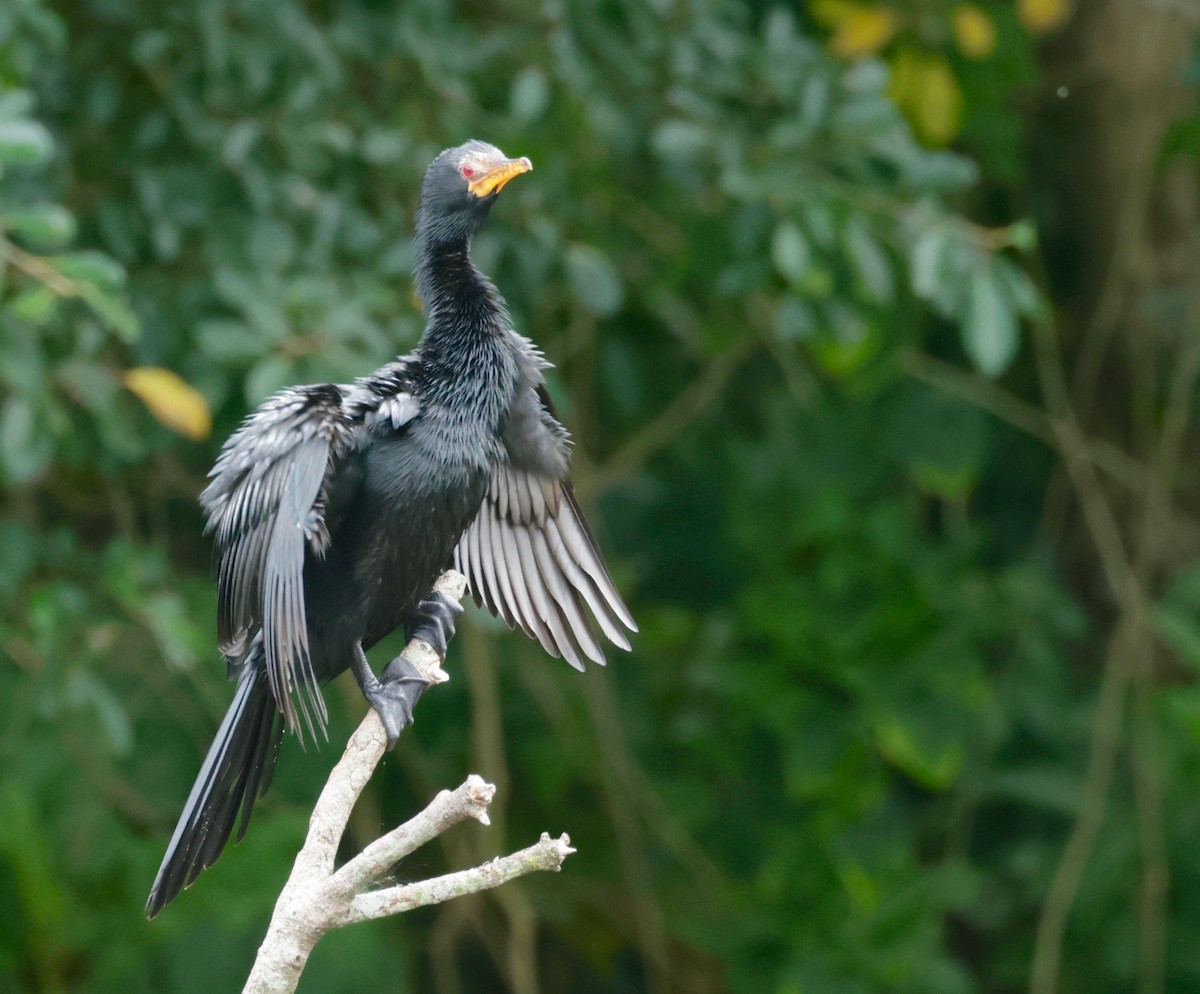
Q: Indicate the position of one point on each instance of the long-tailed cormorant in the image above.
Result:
(335, 507)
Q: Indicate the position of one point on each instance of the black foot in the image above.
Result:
(437, 620)
(393, 697)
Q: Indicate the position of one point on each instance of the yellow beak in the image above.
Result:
(495, 178)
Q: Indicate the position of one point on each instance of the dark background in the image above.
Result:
(878, 329)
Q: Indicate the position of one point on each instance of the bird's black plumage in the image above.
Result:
(334, 508)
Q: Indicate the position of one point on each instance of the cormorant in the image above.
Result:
(335, 507)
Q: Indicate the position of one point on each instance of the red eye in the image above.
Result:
(468, 172)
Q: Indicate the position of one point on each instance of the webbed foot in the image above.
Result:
(437, 621)
(393, 697)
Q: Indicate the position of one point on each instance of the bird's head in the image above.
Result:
(460, 186)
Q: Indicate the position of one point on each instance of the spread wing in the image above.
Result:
(529, 556)
(265, 505)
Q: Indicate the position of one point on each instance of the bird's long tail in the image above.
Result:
(236, 772)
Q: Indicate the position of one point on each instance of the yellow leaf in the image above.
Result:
(1040, 16)
(974, 31)
(171, 399)
(925, 89)
(862, 31)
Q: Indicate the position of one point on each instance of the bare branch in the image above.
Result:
(316, 899)
(545, 854)
(470, 800)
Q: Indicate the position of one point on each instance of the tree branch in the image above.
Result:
(1130, 647)
(665, 426)
(989, 396)
(545, 854)
(317, 899)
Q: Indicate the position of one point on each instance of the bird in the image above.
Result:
(334, 508)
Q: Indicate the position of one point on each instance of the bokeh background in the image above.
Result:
(878, 328)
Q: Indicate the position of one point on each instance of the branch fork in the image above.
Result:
(317, 898)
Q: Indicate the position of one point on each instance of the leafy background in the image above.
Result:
(879, 330)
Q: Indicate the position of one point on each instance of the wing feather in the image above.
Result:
(543, 577)
(582, 544)
(567, 599)
(546, 608)
(529, 555)
(584, 585)
(264, 504)
(508, 569)
(491, 552)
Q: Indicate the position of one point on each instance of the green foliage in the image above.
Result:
(848, 746)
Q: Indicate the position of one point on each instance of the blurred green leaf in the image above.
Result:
(24, 142)
(228, 341)
(23, 452)
(84, 691)
(34, 304)
(530, 94)
(790, 252)
(269, 374)
(1181, 630)
(1026, 298)
(44, 227)
(870, 261)
(928, 269)
(990, 333)
(94, 268)
(917, 751)
(594, 280)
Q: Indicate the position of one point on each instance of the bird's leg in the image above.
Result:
(393, 697)
(437, 617)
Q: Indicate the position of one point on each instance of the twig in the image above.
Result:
(1028, 418)
(1155, 527)
(545, 854)
(1156, 878)
(40, 270)
(647, 912)
(678, 415)
(1097, 512)
(515, 951)
(1130, 644)
(1106, 536)
(316, 899)
(1068, 875)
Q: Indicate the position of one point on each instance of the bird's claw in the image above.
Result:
(438, 620)
(393, 697)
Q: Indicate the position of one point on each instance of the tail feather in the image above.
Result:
(259, 775)
(236, 772)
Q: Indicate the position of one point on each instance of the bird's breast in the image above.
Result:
(419, 495)
(408, 499)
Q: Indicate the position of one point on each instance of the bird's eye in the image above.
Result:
(468, 171)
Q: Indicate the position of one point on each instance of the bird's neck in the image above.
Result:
(465, 319)
(447, 281)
